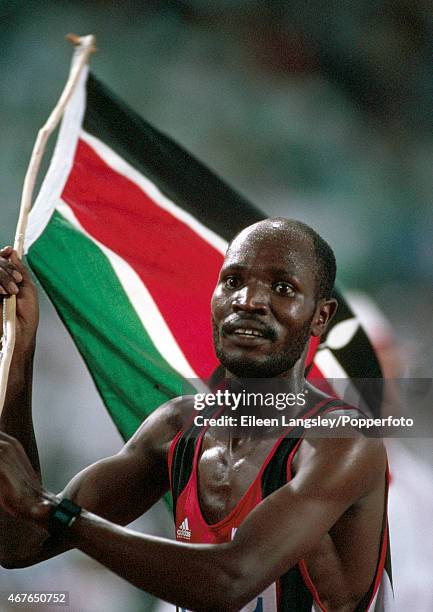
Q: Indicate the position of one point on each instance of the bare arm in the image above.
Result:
(16, 418)
(119, 488)
(275, 536)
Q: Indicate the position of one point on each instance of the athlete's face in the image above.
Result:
(264, 306)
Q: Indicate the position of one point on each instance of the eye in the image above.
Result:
(232, 282)
(283, 288)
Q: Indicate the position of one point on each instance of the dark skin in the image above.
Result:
(333, 523)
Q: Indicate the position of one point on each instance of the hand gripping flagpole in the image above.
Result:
(84, 46)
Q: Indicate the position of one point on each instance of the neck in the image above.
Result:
(290, 383)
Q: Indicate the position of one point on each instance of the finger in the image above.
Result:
(6, 251)
(20, 267)
(11, 272)
(10, 254)
(7, 283)
(23, 276)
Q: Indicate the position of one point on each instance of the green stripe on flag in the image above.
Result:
(129, 372)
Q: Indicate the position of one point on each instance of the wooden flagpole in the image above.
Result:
(84, 46)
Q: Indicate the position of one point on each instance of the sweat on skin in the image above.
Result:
(268, 284)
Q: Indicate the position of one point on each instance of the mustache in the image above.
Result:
(234, 322)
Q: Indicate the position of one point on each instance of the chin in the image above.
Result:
(254, 368)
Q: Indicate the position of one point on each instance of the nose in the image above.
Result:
(251, 298)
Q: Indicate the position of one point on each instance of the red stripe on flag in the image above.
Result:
(177, 266)
(312, 349)
(315, 374)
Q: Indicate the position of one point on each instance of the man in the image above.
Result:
(263, 523)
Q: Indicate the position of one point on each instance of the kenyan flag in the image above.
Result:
(127, 237)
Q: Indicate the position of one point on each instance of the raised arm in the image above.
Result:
(119, 488)
(16, 418)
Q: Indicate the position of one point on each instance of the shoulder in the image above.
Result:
(156, 433)
(342, 460)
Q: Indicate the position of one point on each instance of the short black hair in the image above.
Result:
(326, 264)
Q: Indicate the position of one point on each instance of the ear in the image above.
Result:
(325, 310)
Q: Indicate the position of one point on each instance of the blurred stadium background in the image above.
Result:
(319, 111)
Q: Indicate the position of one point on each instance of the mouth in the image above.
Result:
(246, 332)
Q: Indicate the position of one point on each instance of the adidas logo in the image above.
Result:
(184, 530)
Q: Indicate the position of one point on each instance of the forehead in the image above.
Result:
(260, 248)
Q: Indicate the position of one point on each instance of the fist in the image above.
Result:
(15, 280)
(10, 275)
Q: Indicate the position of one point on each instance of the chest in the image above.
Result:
(225, 475)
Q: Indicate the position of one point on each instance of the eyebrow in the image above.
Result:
(233, 266)
(273, 270)
(282, 272)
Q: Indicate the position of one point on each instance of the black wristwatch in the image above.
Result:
(61, 517)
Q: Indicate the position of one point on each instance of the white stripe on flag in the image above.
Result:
(141, 300)
(61, 163)
(119, 165)
(337, 377)
(328, 364)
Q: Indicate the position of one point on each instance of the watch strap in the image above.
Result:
(62, 516)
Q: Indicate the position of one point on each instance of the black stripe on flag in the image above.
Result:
(199, 191)
(177, 173)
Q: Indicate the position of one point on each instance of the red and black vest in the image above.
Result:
(294, 591)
